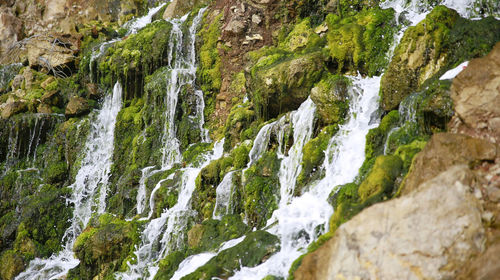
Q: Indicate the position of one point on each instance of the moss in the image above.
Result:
(44, 219)
(314, 155)
(104, 245)
(408, 152)
(209, 70)
(442, 40)
(210, 234)
(280, 83)
(56, 172)
(301, 38)
(330, 97)
(253, 250)
(11, 264)
(240, 117)
(260, 193)
(240, 155)
(381, 179)
(360, 42)
(206, 184)
(376, 137)
(194, 153)
(134, 57)
(168, 265)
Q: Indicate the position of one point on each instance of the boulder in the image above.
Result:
(51, 52)
(178, 8)
(418, 236)
(52, 98)
(77, 106)
(443, 151)
(330, 97)
(475, 93)
(13, 107)
(283, 86)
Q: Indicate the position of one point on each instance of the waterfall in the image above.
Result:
(300, 220)
(302, 122)
(90, 184)
(166, 233)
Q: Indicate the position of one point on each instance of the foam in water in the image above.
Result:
(90, 185)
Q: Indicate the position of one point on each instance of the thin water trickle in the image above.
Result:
(90, 185)
(223, 196)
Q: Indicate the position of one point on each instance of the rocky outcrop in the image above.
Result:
(421, 235)
(77, 106)
(13, 107)
(475, 93)
(27, 18)
(282, 87)
(443, 151)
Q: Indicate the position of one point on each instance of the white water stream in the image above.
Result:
(89, 190)
(166, 233)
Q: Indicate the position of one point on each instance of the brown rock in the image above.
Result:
(52, 98)
(77, 106)
(486, 266)
(14, 107)
(44, 109)
(429, 234)
(93, 91)
(47, 82)
(445, 150)
(179, 8)
(475, 93)
(10, 29)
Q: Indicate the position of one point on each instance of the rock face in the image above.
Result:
(452, 149)
(180, 7)
(422, 235)
(475, 93)
(77, 106)
(10, 29)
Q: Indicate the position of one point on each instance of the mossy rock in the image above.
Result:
(330, 97)
(381, 178)
(104, 245)
(360, 42)
(168, 265)
(261, 189)
(252, 251)
(210, 234)
(11, 264)
(408, 152)
(314, 155)
(376, 137)
(302, 38)
(240, 117)
(206, 184)
(440, 42)
(134, 57)
(281, 86)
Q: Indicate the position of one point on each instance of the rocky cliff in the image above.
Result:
(249, 139)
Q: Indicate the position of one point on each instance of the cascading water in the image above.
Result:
(90, 185)
(302, 219)
(165, 233)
